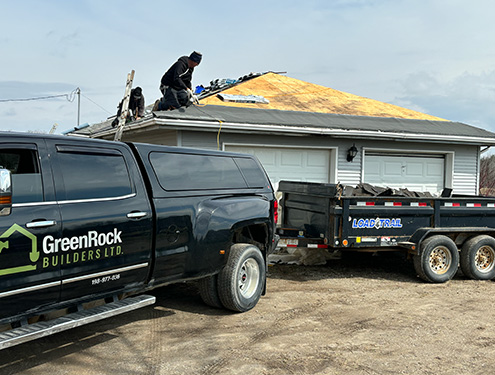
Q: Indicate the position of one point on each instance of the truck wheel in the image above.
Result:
(241, 282)
(478, 258)
(438, 259)
(208, 290)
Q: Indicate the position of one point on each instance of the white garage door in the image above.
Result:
(294, 164)
(417, 173)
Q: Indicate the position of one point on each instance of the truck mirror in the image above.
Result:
(5, 192)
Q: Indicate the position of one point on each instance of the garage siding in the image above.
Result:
(465, 179)
(349, 173)
(157, 137)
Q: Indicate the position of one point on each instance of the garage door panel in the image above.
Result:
(415, 173)
(291, 159)
(373, 168)
(265, 157)
(414, 169)
(316, 160)
(294, 164)
(392, 168)
(434, 170)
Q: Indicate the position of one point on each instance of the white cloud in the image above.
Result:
(434, 56)
(466, 98)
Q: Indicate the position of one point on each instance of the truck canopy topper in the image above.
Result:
(438, 232)
(84, 220)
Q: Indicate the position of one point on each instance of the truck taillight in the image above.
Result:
(275, 211)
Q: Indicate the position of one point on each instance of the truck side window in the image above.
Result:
(92, 175)
(195, 172)
(252, 173)
(27, 185)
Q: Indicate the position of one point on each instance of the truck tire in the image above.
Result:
(208, 290)
(241, 281)
(438, 259)
(478, 258)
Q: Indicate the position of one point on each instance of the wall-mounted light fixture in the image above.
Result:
(351, 153)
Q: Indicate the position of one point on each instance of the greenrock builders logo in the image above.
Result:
(94, 246)
(63, 251)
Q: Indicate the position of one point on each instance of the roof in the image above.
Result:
(290, 94)
(249, 120)
(300, 108)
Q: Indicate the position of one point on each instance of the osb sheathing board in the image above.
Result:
(291, 94)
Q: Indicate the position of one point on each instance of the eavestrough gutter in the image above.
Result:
(177, 124)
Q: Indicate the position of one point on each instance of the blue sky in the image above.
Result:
(435, 56)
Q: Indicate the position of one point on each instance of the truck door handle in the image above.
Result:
(41, 224)
(136, 215)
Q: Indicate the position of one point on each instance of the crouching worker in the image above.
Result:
(176, 83)
(136, 106)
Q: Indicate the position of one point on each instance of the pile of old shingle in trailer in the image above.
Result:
(378, 191)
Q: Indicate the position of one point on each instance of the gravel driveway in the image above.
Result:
(358, 315)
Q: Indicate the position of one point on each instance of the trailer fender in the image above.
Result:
(415, 241)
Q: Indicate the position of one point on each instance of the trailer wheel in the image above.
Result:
(438, 259)
(478, 258)
(241, 282)
(208, 290)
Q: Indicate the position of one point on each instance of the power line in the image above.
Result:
(96, 104)
(70, 97)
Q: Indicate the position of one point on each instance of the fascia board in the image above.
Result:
(300, 130)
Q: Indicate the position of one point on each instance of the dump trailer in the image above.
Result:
(439, 233)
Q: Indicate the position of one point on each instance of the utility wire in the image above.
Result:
(96, 104)
(70, 97)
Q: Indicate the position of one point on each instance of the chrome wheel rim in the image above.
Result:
(440, 260)
(248, 279)
(484, 259)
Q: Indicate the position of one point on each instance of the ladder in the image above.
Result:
(125, 107)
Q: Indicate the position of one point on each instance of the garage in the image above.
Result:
(424, 173)
(295, 164)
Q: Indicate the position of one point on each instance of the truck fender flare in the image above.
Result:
(230, 214)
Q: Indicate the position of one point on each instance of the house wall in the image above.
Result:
(157, 137)
(466, 170)
(461, 167)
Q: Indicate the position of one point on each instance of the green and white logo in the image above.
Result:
(34, 255)
(57, 252)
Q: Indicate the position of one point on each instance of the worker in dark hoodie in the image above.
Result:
(136, 106)
(176, 83)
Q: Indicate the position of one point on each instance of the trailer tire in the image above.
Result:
(208, 290)
(478, 258)
(241, 282)
(438, 259)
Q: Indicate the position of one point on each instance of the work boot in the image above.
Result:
(156, 105)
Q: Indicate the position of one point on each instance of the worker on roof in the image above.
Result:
(136, 106)
(176, 83)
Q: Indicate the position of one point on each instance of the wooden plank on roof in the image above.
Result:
(290, 94)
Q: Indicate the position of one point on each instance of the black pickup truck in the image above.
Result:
(85, 220)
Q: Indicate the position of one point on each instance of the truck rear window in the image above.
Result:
(204, 172)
